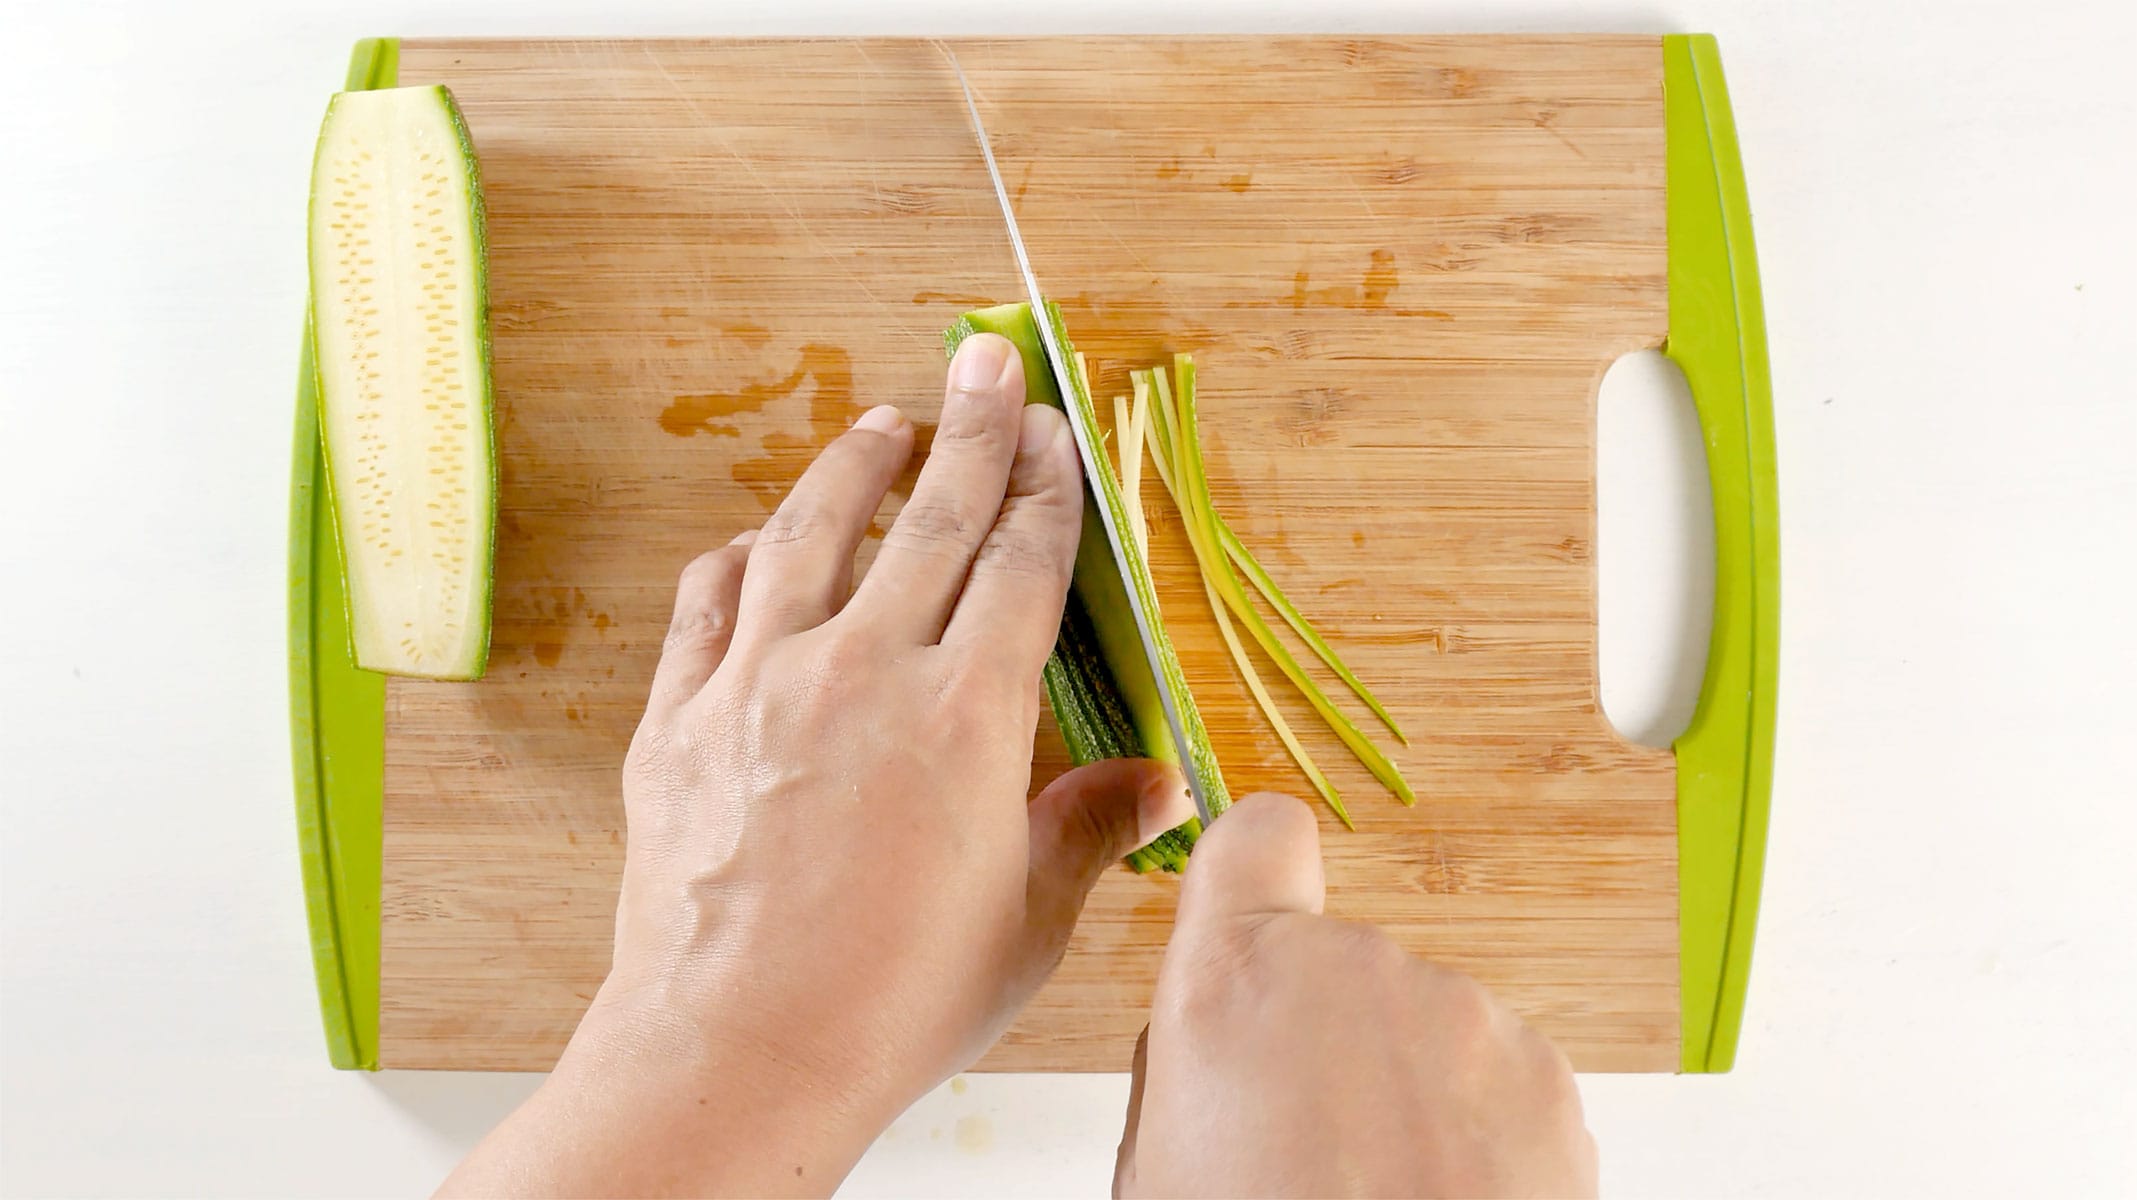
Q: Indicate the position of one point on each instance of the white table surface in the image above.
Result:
(1946, 977)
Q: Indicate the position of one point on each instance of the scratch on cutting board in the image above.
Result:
(712, 128)
(1107, 228)
(868, 134)
(1359, 192)
(860, 47)
(1135, 195)
(1104, 226)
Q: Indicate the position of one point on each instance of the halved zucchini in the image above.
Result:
(400, 329)
(1098, 680)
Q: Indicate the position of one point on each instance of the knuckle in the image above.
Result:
(1554, 1073)
(972, 686)
(697, 627)
(1466, 1010)
(650, 743)
(1365, 947)
(1021, 553)
(1376, 963)
(931, 527)
(840, 654)
(1560, 1094)
(708, 573)
(1051, 481)
(792, 524)
(976, 414)
(1102, 825)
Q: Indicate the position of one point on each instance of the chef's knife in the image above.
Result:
(1079, 419)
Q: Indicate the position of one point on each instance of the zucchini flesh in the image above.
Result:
(400, 330)
(1097, 680)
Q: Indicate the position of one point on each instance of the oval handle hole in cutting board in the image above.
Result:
(1654, 549)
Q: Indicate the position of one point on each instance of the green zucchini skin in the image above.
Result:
(1097, 680)
(1095, 722)
(418, 554)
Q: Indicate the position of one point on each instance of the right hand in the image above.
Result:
(1292, 1054)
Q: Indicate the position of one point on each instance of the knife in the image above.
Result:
(1042, 315)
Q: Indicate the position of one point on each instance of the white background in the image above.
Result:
(1946, 977)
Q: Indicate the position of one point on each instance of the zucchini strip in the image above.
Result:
(1269, 709)
(1132, 444)
(1237, 551)
(1130, 449)
(1192, 480)
(1208, 558)
(1160, 436)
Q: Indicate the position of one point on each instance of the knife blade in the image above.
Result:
(1057, 361)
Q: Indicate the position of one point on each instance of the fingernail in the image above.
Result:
(981, 363)
(1165, 806)
(744, 538)
(883, 418)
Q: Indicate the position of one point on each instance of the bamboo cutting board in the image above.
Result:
(1403, 266)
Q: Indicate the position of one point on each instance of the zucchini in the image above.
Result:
(400, 339)
(1097, 680)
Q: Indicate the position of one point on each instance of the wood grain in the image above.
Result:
(1403, 266)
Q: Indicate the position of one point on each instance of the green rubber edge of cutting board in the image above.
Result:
(1717, 337)
(337, 715)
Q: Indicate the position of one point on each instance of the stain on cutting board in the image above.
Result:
(830, 404)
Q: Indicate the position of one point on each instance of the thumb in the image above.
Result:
(1087, 819)
(1260, 858)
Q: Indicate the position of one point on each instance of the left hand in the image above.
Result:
(834, 895)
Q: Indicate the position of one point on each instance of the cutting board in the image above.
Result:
(1403, 266)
